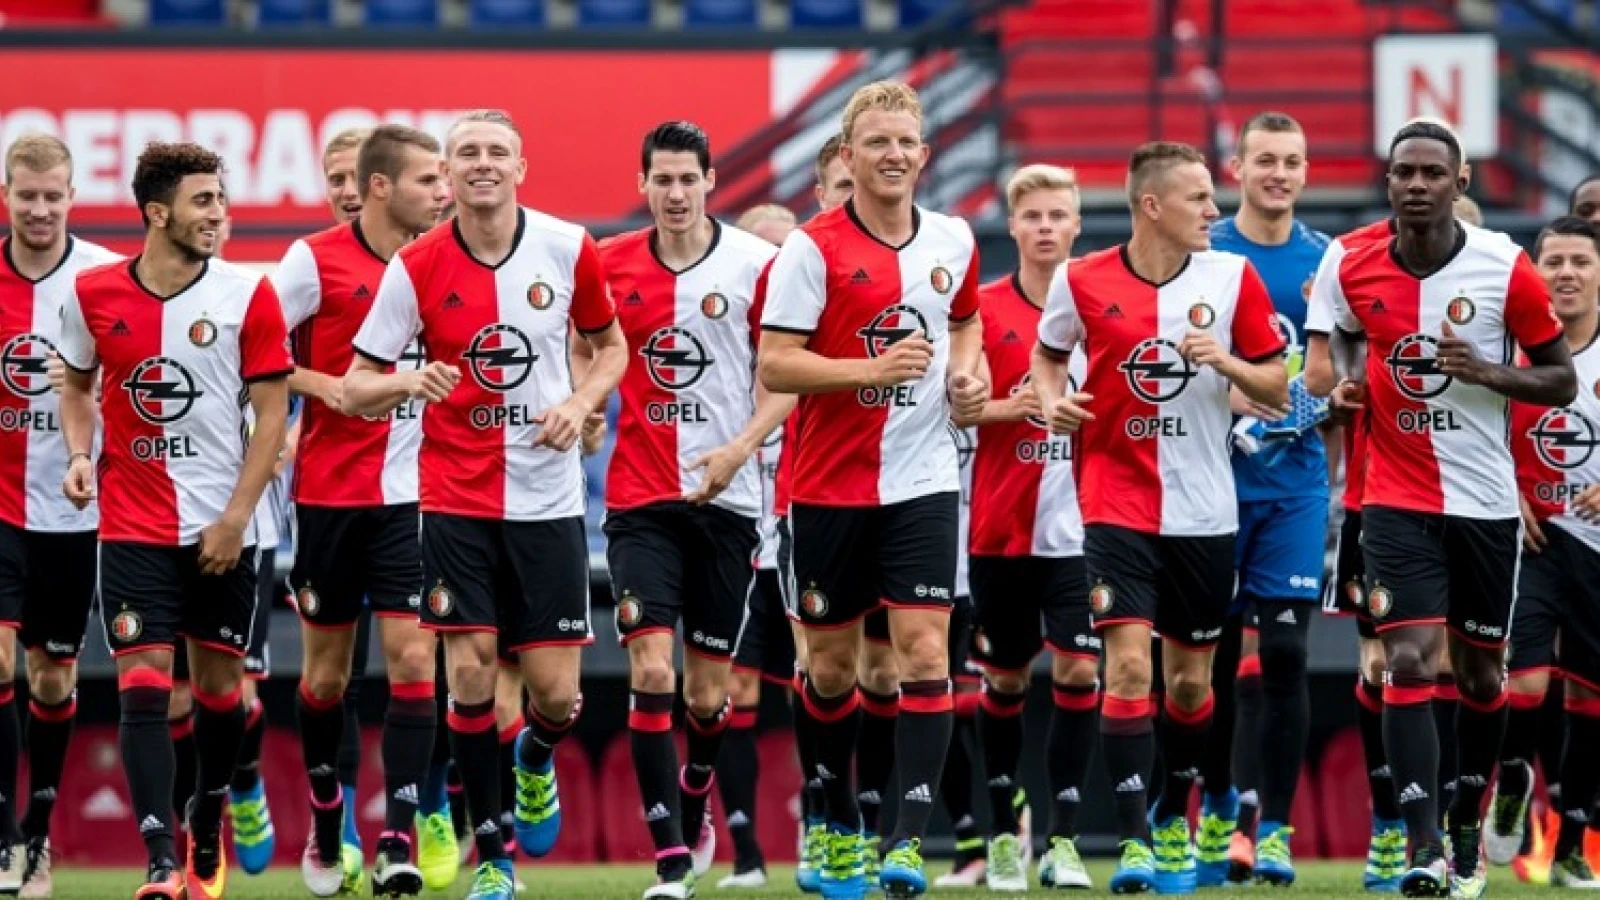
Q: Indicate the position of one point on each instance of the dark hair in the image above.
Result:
(828, 153)
(1156, 158)
(383, 153)
(1572, 198)
(677, 137)
(1269, 121)
(1429, 131)
(1575, 226)
(162, 167)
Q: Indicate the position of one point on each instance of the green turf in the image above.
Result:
(626, 883)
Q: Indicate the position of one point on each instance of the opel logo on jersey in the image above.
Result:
(964, 444)
(713, 305)
(161, 390)
(500, 358)
(941, 279)
(891, 326)
(1156, 371)
(411, 358)
(541, 295)
(1201, 315)
(1564, 438)
(203, 332)
(675, 358)
(1414, 369)
(1461, 310)
(23, 367)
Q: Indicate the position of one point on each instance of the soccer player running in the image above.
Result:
(47, 544)
(355, 494)
(177, 487)
(1557, 602)
(1439, 306)
(871, 318)
(1170, 327)
(1028, 580)
(493, 295)
(1283, 516)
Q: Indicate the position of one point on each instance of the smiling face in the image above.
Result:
(486, 165)
(1271, 169)
(37, 204)
(1570, 264)
(885, 154)
(675, 188)
(339, 176)
(194, 222)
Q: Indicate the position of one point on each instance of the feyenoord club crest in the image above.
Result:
(308, 601)
(127, 626)
(1100, 597)
(814, 602)
(1461, 310)
(1563, 438)
(1201, 315)
(1379, 601)
(541, 295)
(1353, 593)
(630, 611)
(1414, 368)
(441, 602)
(713, 305)
(23, 365)
(203, 332)
(941, 279)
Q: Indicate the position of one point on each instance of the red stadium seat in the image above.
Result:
(1341, 788)
(94, 822)
(283, 770)
(582, 820)
(778, 796)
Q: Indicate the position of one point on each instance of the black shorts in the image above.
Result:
(1433, 569)
(1179, 585)
(258, 656)
(963, 632)
(766, 645)
(47, 586)
(346, 555)
(672, 561)
(1556, 624)
(848, 561)
(525, 581)
(152, 595)
(1027, 603)
(1345, 594)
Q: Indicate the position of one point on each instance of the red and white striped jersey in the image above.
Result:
(854, 296)
(1436, 445)
(1555, 449)
(174, 375)
(327, 283)
(767, 464)
(1155, 459)
(33, 455)
(1025, 502)
(690, 383)
(506, 327)
(966, 440)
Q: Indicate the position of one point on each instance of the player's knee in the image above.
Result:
(1128, 675)
(472, 681)
(654, 676)
(1482, 679)
(413, 662)
(832, 674)
(744, 688)
(1408, 660)
(704, 701)
(557, 704)
(1073, 671)
(51, 684)
(923, 656)
(881, 676)
(1283, 657)
(1007, 682)
(1374, 662)
(1188, 688)
(324, 684)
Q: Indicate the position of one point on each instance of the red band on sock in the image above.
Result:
(743, 718)
(938, 703)
(717, 724)
(179, 729)
(1526, 700)
(1250, 666)
(470, 724)
(847, 705)
(219, 703)
(253, 713)
(1446, 691)
(655, 722)
(512, 729)
(1588, 707)
(1197, 716)
(1371, 700)
(411, 690)
(1485, 706)
(1402, 695)
(143, 677)
(532, 716)
(8, 693)
(798, 683)
(1002, 706)
(1121, 708)
(967, 703)
(1074, 701)
(885, 706)
(315, 703)
(62, 712)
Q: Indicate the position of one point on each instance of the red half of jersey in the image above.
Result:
(1557, 450)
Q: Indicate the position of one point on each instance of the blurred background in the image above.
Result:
(1071, 82)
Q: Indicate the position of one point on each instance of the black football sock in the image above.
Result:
(408, 725)
(1183, 743)
(1553, 738)
(10, 749)
(1523, 730)
(539, 747)
(218, 730)
(1411, 741)
(1069, 744)
(321, 726)
(147, 755)
(508, 783)
(1580, 776)
(834, 727)
(49, 733)
(1479, 729)
(181, 732)
(1446, 700)
(247, 770)
(927, 718)
(1380, 781)
(476, 746)
(955, 783)
(704, 745)
(738, 769)
(1286, 706)
(1000, 732)
(880, 714)
(1127, 740)
(1248, 730)
(655, 761)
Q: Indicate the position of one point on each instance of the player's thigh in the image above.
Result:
(1285, 559)
(258, 653)
(141, 595)
(391, 561)
(1068, 623)
(1195, 589)
(1580, 627)
(719, 577)
(1122, 568)
(58, 593)
(833, 558)
(329, 564)
(1408, 572)
(218, 610)
(766, 641)
(549, 606)
(462, 565)
(1483, 555)
(917, 543)
(1006, 594)
(1544, 581)
(645, 550)
(1346, 594)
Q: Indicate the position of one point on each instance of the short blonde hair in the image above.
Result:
(348, 139)
(38, 153)
(774, 212)
(492, 116)
(888, 96)
(1041, 177)
(1466, 209)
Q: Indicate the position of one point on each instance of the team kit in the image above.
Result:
(844, 465)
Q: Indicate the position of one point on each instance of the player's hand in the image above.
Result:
(968, 393)
(720, 465)
(221, 542)
(1069, 413)
(55, 370)
(1459, 359)
(1348, 396)
(1533, 539)
(79, 483)
(594, 434)
(1244, 406)
(331, 393)
(1202, 349)
(1021, 405)
(906, 360)
(562, 424)
(1586, 505)
(433, 382)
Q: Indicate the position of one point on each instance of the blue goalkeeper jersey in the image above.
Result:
(1287, 270)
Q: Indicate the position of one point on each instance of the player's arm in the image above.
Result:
(80, 372)
(299, 287)
(723, 463)
(580, 356)
(594, 316)
(1060, 330)
(1548, 379)
(369, 388)
(968, 391)
(1258, 369)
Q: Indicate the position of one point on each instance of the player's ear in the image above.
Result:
(522, 169)
(711, 180)
(1236, 169)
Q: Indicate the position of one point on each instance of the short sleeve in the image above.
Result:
(1256, 335)
(393, 320)
(758, 298)
(299, 284)
(965, 305)
(797, 286)
(592, 307)
(1060, 327)
(1319, 306)
(76, 345)
(263, 338)
(1529, 316)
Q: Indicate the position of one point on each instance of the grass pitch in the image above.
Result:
(1341, 879)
